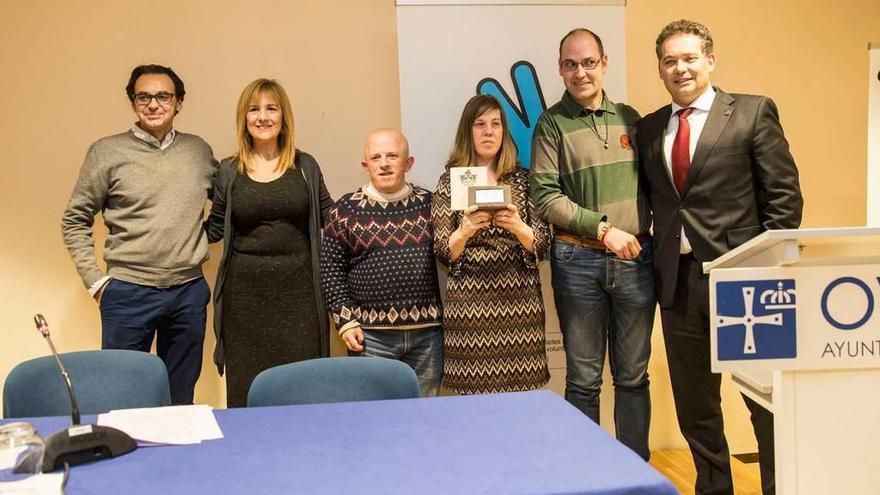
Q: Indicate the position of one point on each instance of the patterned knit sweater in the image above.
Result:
(377, 262)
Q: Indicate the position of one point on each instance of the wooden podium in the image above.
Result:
(796, 320)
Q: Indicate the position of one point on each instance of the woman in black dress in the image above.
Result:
(268, 207)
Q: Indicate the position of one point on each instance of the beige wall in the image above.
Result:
(65, 67)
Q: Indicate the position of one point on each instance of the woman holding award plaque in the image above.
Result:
(492, 241)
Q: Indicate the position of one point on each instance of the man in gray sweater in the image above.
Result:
(150, 183)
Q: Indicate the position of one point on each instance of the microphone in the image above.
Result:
(43, 328)
(80, 443)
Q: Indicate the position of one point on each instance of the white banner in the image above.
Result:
(449, 53)
(874, 135)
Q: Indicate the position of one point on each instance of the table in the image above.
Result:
(517, 443)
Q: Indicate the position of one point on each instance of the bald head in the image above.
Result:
(387, 160)
(581, 32)
(386, 134)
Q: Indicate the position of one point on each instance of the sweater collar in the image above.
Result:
(574, 110)
(375, 195)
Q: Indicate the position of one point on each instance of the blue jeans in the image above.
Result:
(132, 314)
(602, 300)
(421, 349)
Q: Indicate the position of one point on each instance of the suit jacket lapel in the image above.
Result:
(657, 145)
(719, 116)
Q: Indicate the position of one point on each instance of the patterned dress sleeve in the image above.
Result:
(540, 228)
(445, 222)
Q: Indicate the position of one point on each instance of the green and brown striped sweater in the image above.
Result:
(576, 182)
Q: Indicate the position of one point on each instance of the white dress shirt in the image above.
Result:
(150, 139)
(697, 120)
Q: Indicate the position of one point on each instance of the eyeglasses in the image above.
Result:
(144, 99)
(587, 64)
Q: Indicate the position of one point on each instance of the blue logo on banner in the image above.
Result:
(756, 319)
(523, 114)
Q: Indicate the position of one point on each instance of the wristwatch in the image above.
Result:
(602, 230)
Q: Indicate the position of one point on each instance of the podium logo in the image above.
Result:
(756, 319)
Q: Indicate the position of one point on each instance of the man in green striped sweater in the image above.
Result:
(585, 181)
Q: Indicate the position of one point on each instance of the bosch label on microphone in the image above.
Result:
(88, 438)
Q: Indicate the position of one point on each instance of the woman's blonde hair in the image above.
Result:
(464, 154)
(250, 95)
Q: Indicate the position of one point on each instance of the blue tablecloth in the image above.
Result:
(520, 443)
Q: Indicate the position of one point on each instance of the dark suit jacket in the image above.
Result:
(742, 181)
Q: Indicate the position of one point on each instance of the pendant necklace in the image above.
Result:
(595, 128)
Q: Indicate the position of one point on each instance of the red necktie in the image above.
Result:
(681, 150)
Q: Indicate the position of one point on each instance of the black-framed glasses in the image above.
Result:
(587, 64)
(144, 99)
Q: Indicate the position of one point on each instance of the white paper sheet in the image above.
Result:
(39, 484)
(8, 456)
(173, 425)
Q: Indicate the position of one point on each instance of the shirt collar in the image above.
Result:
(376, 195)
(573, 109)
(150, 139)
(702, 103)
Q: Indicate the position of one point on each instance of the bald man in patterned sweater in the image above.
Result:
(377, 265)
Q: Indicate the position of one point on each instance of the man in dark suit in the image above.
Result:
(718, 172)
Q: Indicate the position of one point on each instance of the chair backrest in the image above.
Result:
(338, 379)
(102, 380)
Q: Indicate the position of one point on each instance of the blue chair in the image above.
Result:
(102, 380)
(339, 379)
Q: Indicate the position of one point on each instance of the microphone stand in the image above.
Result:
(79, 443)
(43, 327)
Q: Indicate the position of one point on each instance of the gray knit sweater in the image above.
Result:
(152, 201)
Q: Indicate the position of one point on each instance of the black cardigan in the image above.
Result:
(219, 226)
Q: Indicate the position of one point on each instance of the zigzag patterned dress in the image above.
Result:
(493, 323)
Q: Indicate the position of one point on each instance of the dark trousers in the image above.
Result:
(132, 314)
(697, 391)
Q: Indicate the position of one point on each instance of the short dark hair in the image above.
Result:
(140, 70)
(585, 31)
(684, 26)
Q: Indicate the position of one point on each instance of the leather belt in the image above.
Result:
(572, 238)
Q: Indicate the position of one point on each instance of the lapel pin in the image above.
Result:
(728, 112)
